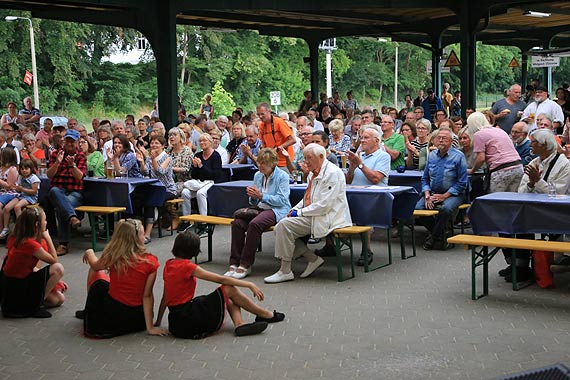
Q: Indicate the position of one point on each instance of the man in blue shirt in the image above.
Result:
(370, 167)
(247, 153)
(443, 185)
(431, 104)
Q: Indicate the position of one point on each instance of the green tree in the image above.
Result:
(222, 100)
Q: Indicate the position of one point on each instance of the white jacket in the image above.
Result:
(329, 207)
(559, 176)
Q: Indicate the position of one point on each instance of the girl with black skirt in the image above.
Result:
(197, 317)
(121, 301)
(27, 289)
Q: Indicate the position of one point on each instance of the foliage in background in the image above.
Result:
(238, 68)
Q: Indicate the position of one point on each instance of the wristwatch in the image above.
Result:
(360, 166)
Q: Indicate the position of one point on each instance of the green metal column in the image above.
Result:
(524, 70)
(314, 66)
(468, 56)
(162, 36)
(436, 54)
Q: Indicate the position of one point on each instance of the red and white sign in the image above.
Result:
(28, 78)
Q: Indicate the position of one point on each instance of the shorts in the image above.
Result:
(7, 197)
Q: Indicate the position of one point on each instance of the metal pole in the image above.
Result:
(329, 73)
(396, 77)
(34, 69)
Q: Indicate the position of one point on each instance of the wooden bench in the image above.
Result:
(343, 241)
(92, 211)
(462, 210)
(482, 256)
(210, 223)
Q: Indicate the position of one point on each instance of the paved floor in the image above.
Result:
(412, 320)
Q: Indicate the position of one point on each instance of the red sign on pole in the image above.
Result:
(28, 78)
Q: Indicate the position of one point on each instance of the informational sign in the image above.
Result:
(543, 61)
(275, 97)
(443, 68)
(514, 63)
(452, 60)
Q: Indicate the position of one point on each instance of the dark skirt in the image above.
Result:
(106, 317)
(198, 318)
(22, 297)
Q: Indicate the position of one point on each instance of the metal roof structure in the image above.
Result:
(426, 23)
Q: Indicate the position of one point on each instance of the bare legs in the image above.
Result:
(238, 301)
(53, 299)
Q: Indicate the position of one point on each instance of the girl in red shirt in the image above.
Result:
(121, 301)
(27, 289)
(197, 317)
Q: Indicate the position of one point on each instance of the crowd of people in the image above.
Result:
(518, 145)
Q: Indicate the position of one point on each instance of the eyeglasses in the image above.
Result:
(305, 134)
(82, 142)
(421, 128)
(7, 130)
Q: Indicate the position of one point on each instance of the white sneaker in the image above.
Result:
(4, 234)
(312, 266)
(241, 272)
(279, 277)
(231, 271)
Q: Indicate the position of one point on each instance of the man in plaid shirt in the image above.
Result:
(66, 169)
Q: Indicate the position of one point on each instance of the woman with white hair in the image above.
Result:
(338, 141)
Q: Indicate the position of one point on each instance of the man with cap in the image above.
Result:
(431, 104)
(66, 168)
(541, 104)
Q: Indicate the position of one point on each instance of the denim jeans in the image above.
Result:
(446, 211)
(64, 203)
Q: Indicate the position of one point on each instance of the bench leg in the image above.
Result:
(93, 223)
(339, 243)
(364, 240)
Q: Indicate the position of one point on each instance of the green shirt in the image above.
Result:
(96, 163)
(396, 142)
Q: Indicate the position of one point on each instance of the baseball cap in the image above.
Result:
(541, 88)
(72, 134)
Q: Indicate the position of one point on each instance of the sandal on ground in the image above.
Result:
(75, 222)
(147, 239)
(251, 328)
(62, 250)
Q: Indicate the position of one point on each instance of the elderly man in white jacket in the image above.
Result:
(323, 209)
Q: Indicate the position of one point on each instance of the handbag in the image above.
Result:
(541, 265)
(247, 213)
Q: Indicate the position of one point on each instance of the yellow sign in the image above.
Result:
(514, 63)
(452, 60)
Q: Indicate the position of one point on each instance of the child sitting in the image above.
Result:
(28, 189)
(197, 317)
(26, 289)
(8, 179)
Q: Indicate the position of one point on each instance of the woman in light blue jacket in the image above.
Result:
(270, 193)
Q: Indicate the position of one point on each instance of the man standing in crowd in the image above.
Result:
(323, 209)
(66, 169)
(507, 111)
(431, 104)
(443, 186)
(446, 98)
(394, 143)
(420, 99)
(275, 133)
(350, 102)
(30, 113)
(542, 104)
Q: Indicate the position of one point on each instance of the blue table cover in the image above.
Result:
(411, 178)
(375, 207)
(514, 213)
(114, 192)
(238, 172)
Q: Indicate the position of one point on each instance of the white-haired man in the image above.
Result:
(323, 209)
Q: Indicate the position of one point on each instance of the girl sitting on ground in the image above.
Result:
(197, 317)
(8, 179)
(28, 187)
(26, 289)
(120, 302)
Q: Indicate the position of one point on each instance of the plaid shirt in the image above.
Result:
(63, 178)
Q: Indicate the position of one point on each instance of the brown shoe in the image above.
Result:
(175, 223)
(62, 250)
